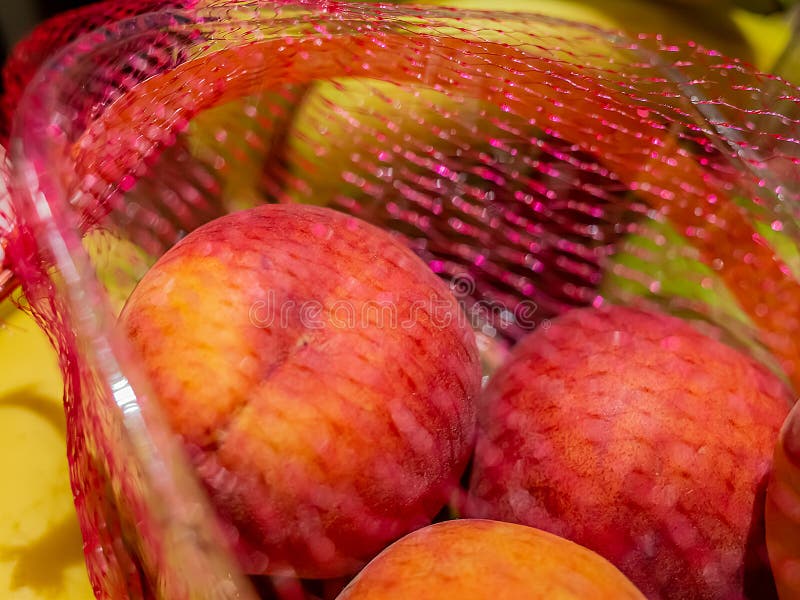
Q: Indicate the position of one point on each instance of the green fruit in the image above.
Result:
(118, 263)
(677, 21)
(320, 145)
(242, 143)
(658, 265)
(354, 133)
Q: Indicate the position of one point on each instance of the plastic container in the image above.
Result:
(537, 165)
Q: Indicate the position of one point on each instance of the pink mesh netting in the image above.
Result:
(27, 56)
(536, 164)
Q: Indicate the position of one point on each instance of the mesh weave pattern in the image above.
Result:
(535, 164)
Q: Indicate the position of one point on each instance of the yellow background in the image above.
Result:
(41, 555)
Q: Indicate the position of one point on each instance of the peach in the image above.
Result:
(322, 377)
(478, 559)
(633, 434)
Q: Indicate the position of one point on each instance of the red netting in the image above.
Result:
(47, 39)
(535, 165)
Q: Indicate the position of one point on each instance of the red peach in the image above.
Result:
(477, 559)
(321, 377)
(635, 435)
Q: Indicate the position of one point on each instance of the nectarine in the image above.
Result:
(635, 435)
(478, 559)
(321, 376)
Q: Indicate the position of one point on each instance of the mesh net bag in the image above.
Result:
(535, 165)
(30, 53)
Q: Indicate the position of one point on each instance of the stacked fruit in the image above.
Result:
(477, 539)
(327, 387)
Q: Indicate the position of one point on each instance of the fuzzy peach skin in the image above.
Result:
(633, 434)
(473, 559)
(321, 375)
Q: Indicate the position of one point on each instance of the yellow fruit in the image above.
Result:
(344, 127)
(118, 263)
(767, 35)
(711, 27)
(321, 143)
